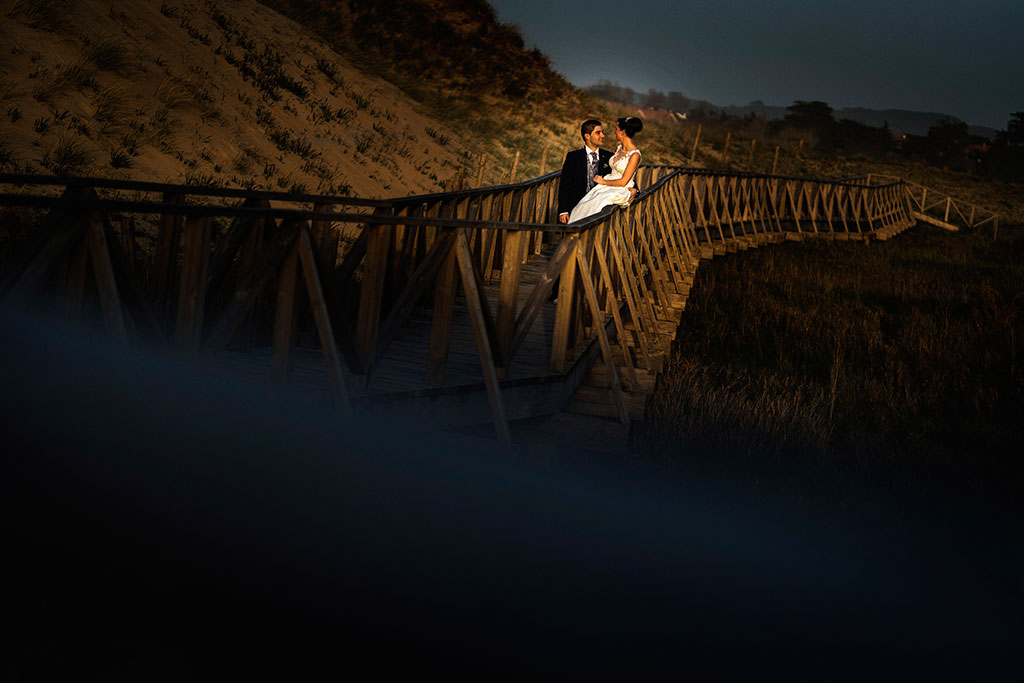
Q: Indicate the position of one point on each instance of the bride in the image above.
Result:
(617, 187)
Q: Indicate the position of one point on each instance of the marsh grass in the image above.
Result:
(897, 360)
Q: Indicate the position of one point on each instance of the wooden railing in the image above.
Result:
(222, 276)
(944, 210)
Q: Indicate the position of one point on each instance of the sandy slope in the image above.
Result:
(168, 91)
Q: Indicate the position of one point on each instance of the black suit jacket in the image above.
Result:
(573, 183)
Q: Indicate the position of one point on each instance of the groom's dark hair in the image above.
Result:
(588, 127)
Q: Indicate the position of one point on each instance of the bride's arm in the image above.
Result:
(631, 166)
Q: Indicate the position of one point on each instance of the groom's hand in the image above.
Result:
(563, 218)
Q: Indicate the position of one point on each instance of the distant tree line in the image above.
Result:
(947, 143)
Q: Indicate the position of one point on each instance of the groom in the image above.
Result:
(580, 167)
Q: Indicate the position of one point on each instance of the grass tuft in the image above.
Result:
(6, 155)
(66, 157)
(45, 15)
(108, 54)
(110, 105)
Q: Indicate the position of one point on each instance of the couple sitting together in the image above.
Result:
(593, 178)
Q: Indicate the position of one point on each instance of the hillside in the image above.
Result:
(190, 92)
(207, 92)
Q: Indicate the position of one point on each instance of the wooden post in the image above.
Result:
(508, 293)
(325, 238)
(775, 161)
(372, 295)
(949, 200)
(192, 291)
(74, 285)
(543, 161)
(480, 171)
(165, 260)
(515, 168)
(128, 239)
(441, 325)
(750, 158)
(563, 310)
(284, 320)
(696, 139)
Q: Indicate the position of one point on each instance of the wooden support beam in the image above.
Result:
(284, 319)
(323, 321)
(483, 344)
(165, 259)
(414, 289)
(267, 262)
(106, 284)
(74, 284)
(539, 294)
(372, 294)
(441, 325)
(564, 306)
(508, 293)
(188, 328)
(620, 329)
(606, 349)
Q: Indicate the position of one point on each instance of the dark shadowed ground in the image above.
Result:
(163, 526)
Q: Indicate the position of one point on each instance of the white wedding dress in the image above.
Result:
(601, 196)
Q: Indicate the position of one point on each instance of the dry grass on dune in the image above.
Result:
(898, 359)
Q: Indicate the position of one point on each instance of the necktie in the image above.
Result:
(592, 170)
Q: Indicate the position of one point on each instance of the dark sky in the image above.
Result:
(959, 57)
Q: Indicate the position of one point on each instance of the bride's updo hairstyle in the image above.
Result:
(630, 125)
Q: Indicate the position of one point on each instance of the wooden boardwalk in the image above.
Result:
(437, 316)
